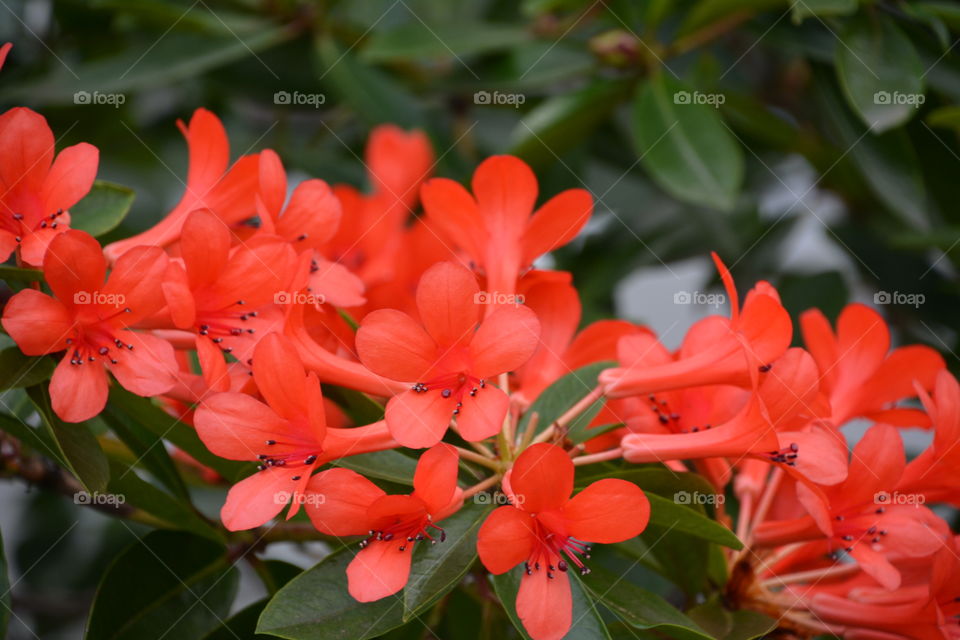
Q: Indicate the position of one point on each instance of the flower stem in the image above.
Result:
(485, 461)
(481, 486)
(603, 456)
(561, 423)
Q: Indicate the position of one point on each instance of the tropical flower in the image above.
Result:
(36, 189)
(549, 532)
(447, 358)
(91, 320)
(287, 434)
(497, 227)
(341, 502)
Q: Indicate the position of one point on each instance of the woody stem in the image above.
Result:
(603, 456)
(481, 486)
(489, 463)
(561, 423)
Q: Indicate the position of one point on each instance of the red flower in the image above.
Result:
(497, 226)
(344, 503)
(229, 193)
(227, 295)
(288, 435)
(90, 320)
(934, 472)
(37, 190)
(860, 373)
(4, 50)
(447, 357)
(547, 530)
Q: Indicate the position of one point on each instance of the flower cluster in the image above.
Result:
(249, 299)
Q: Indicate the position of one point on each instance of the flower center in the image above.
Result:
(223, 323)
(89, 343)
(453, 385)
(406, 531)
(19, 225)
(553, 550)
(787, 455)
(297, 454)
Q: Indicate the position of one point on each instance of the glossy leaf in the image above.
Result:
(102, 209)
(682, 519)
(386, 465)
(563, 394)
(18, 371)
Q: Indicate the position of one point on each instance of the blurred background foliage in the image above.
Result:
(784, 156)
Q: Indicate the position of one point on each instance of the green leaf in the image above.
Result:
(243, 624)
(438, 568)
(172, 513)
(124, 405)
(880, 72)
(37, 439)
(317, 606)
(169, 584)
(387, 465)
(5, 603)
(419, 40)
(360, 407)
(563, 394)
(18, 371)
(150, 452)
(682, 519)
(374, 96)
(806, 8)
(684, 144)
(640, 608)
(75, 444)
(20, 274)
(586, 624)
(945, 117)
(706, 13)
(731, 625)
(103, 209)
(561, 122)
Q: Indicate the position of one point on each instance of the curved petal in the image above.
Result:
(135, 283)
(26, 149)
(212, 364)
(78, 392)
(609, 510)
(379, 570)
(38, 323)
(337, 501)
(257, 499)
(70, 177)
(506, 538)
(280, 376)
(419, 420)
(391, 344)
(272, 183)
(74, 266)
(236, 426)
(542, 478)
(556, 223)
(452, 211)
(435, 480)
(398, 161)
(505, 340)
(506, 191)
(447, 303)
(312, 216)
(481, 414)
(148, 369)
(205, 248)
(545, 605)
(335, 283)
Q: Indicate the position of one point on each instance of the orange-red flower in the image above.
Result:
(934, 473)
(91, 320)
(548, 531)
(36, 189)
(447, 358)
(287, 435)
(341, 502)
(497, 226)
(228, 192)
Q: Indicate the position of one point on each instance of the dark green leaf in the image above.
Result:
(640, 608)
(243, 624)
(563, 394)
(880, 72)
(150, 452)
(168, 584)
(75, 444)
(317, 606)
(806, 8)
(361, 408)
(387, 465)
(102, 209)
(438, 568)
(18, 371)
(586, 622)
(419, 40)
(20, 274)
(36, 438)
(724, 624)
(677, 517)
(684, 144)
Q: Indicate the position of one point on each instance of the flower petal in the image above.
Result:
(73, 265)
(542, 478)
(280, 376)
(545, 605)
(337, 502)
(506, 538)
(481, 414)
(149, 369)
(446, 301)
(609, 510)
(257, 499)
(556, 223)
(505, 340)
(38, 323)
(70, 177)
(236, 426)
(78, 392)
(435, 479)
(418, 420)
(392, 344)
(379, 570)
